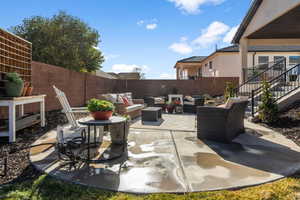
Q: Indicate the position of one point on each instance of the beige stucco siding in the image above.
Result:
(228, 64)
(269, 11)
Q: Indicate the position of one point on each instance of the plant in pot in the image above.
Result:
(100, 109)
(13, 85)
(170, 107)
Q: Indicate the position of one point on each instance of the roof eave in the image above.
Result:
(246, 21)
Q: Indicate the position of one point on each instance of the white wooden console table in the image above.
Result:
(11, 103)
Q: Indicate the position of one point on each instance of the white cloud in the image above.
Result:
(229, 36)
(193, 6)
(183, 39)
(140, 22)
(110, 56)
(181, 48)
(211, 34)
(151, 26)
(167, 76)
(117, 68)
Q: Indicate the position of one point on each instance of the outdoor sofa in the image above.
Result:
(134, 110)
(190, 103)
(223, 123)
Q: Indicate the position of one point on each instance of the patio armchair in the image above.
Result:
(221, 124)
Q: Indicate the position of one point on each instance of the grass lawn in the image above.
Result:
(45, 187)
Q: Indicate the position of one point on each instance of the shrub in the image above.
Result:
(229, 90)
(95, 105)
(268, 110)
(14, 77)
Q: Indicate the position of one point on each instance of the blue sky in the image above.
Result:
(150, 34)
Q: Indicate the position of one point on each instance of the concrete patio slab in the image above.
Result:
(152, 165)
(170, 161)
(169, 122)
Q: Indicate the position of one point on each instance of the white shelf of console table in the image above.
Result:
(12, 103)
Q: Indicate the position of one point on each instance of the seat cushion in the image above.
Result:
(189, 103)
(134, 107)
(159, 100)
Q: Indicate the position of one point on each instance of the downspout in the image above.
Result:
(253, 60)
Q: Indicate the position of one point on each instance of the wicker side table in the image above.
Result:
(151, 114)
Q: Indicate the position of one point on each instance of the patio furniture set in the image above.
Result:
(181, 103)
(221, 124)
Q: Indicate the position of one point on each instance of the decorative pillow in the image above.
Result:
(120, 98)
(159, 100)
(125, 100)
(129, 97)
(189, 98)
(109, 97)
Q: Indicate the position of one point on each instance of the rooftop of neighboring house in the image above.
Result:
(192, 59)
(126, 75)
(105, 75)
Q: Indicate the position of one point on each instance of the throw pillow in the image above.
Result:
(125, 100)
(129, 97)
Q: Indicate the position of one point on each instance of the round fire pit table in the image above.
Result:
(92, 125)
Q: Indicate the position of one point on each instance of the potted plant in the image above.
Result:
(100, 109)
(117, 131)
(13, 85)
(170, 107)
(29, 90)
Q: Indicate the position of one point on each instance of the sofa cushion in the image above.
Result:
(189, 98)
(134, 107)
(189, 103)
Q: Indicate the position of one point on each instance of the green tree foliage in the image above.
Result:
(268, 110)
(229, 90)
(62, 40)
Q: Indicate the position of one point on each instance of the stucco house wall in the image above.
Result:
(228, 64)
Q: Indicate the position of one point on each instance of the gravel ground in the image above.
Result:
(19, 167)
(289, 123)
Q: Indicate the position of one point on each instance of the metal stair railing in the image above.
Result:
(258, 74)
(283, 85)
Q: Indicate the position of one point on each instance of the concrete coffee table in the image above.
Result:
(152, 114)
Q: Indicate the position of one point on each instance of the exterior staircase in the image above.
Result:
(284, 85)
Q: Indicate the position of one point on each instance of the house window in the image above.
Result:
(263, 62)
(294, 60)
(210, 65)
(278, 58)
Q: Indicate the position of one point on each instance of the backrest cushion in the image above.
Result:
(231, 101)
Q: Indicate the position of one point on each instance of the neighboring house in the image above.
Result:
(269, 30)
(126, 75)
(225, 62)
(189, 68)
(104, 74)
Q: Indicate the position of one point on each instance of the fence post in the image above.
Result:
(252, 103)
